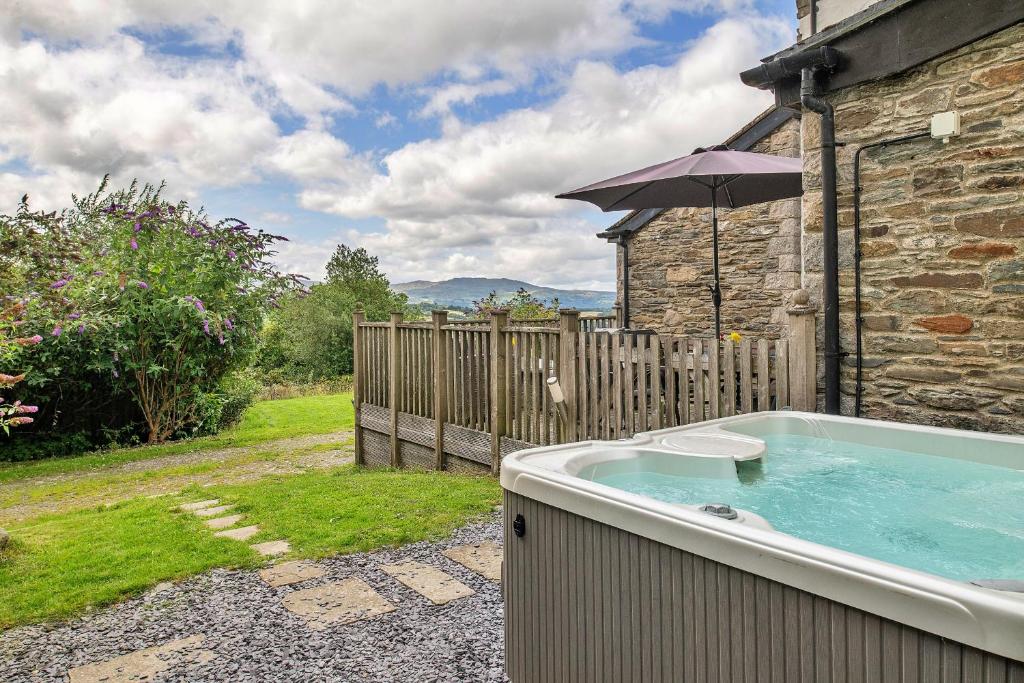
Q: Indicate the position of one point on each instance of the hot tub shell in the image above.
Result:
(605, 585)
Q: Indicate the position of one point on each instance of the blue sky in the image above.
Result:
(432, 134)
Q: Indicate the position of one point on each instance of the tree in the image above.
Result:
(310, 336)
(521, 306)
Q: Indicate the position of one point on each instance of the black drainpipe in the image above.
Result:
(858, 317)
(811, 99)
(625, 281)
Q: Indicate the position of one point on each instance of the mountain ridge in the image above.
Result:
(461, 292)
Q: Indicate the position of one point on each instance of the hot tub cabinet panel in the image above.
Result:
(585, 601)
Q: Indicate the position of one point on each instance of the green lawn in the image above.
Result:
(265, 421)
(58, 565)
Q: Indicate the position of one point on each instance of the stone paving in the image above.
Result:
(425, 612)
(227, 529)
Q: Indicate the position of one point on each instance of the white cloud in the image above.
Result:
(485, 192)
(81, 96)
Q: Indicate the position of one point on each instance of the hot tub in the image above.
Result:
(774, 546)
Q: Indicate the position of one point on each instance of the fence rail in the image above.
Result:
(447, 395)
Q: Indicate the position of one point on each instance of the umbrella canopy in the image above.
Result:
(739, 179)
(711, 177)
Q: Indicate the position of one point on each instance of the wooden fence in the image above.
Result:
(462, 394)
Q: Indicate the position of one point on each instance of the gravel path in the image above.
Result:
(253, 638)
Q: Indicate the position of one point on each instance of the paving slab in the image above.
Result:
(340, 602)
(272, 548)
(287, 573)
(143, 664)
(223, 522)
(242, 533)
(430, 582)
(482, 558)
(192, 507)
(213, 512)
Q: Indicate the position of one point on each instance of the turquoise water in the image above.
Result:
(954, 518)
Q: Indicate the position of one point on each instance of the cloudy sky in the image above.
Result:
(433, 132)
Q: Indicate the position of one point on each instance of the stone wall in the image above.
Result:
(943, 239)
(670, 261)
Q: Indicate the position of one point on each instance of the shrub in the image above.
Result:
(155, 307)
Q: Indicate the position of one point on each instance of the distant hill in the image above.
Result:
(461, 292)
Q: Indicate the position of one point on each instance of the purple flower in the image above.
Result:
(135, 245)
(228, 324)
(57, 331)
(138, 226)
(206, 326)
(21, 409)
(220, 338)
(232, 255)
(59, 283)
(142, 285)
(81, 329)
(98, 273)
(199, 306)
(75, 316)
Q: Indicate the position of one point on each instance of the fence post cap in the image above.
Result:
(568, 311)
(359, 307)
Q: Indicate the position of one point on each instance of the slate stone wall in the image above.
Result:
(943, 239)
(670, 262)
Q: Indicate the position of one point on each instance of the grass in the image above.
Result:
(59, 565)
(263, 422)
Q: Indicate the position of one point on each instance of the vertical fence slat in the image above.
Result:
(545, 358)
(729, 375)
(714, 381)
(629, 388)
(604, 384)
(592, 368)
(642, 368)
(764, 378)
(698, 380)
(684, 380)
(781, 374)
(746, 378)
(617, 385)
(671, 420)
(583, 410)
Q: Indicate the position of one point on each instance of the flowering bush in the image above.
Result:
(159, 302)
(12, 318)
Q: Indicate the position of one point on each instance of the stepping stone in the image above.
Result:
(192, 507)
(482, 558)
(341, 602)
(272, 548)
(287, 573)
(143, 664)
(212, 512)
(223, 522)
(430, 582)
(242, 533)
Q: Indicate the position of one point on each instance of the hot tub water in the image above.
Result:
(955, 518)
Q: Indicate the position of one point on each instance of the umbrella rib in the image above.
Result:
(627, 196)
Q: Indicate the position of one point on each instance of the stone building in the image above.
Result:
(942, 221)
(669, 253)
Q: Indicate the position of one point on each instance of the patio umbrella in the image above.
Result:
(713, 177)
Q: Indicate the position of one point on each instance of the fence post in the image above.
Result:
(439, 319)
(394, 383)
(803, 352)
(568, 333)
(617, 312)
(358, 379)
(499, 385)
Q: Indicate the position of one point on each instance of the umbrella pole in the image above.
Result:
(716, 291)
